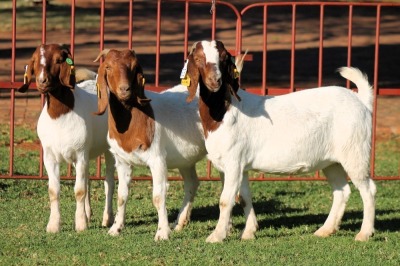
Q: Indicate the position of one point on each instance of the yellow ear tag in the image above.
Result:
(143, 81)
(186, 81)
(72, 70)
(98, 91)
(26, 75)
(236, 73)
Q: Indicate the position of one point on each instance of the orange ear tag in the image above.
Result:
(186, 81)
(236, 73)
(26, 75)
(98, 91)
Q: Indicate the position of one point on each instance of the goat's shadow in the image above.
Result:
(286, 217)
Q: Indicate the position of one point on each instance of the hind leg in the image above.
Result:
(367, 189)
(191, 183)
(341, 192)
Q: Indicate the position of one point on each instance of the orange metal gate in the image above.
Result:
(292, 37)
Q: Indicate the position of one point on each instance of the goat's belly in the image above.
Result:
(292, 168)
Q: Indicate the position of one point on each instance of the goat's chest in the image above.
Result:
(62, 135)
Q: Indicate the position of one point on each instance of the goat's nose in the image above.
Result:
(124, 88)
(43, 80)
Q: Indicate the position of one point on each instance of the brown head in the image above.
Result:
(122, 74)
(211, 66)
(53, 68)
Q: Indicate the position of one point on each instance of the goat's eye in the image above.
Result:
(108, 68)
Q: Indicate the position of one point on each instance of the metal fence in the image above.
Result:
(292, 46)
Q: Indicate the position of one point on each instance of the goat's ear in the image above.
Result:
(67, 70)
(234, 73)
(194, 75)
(27, 77)
(138, 86)
(102, 94)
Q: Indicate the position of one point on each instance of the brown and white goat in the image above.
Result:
(326, 129)
(69, 131)
(161, 134)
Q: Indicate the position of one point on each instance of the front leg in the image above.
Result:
(53, 171)
(81, 194)
(246, 202)
(124, 171)
(109, 185)
(159, 172)
(232, 181)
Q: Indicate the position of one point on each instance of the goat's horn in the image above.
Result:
(193, 47)
(239, 60)
(102, 53)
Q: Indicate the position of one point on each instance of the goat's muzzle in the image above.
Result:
(124, 92)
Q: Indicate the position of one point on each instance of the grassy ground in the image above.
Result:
(288, 214)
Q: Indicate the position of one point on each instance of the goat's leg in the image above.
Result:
(232, 181)
(80, 189)
(159, 172)
(88, 209)
(336, 176)
(246, 202)
(124, 178)
(53, 171)
(109, 185)
(191, 183)
(367, 189)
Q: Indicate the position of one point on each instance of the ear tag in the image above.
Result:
(69, 61)
(184, 69)
(98, 91)
(143, 81)
(26, 75)
(236, 73)
(186, 81)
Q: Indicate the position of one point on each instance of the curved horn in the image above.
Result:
(101, 54)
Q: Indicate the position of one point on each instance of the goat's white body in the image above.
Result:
(76, 137)
(325, 128)
(291, 134)
(178, 143)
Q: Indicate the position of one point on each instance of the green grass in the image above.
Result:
(288, 213)
(29, 17)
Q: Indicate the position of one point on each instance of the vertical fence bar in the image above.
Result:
(293, 48)
(264, 52)
(214, 22)
(12, 92)
(349, 40)
(130, 24)
(375, 105)
(72, 28)
(185, 42)
(102, 10)
(158, 42)
(321, 43)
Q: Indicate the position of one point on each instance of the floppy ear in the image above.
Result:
(27, 77)
(67, 71)
(194, 75)
(102, 94)
(138, 86)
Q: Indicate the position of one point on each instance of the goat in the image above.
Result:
(69, 131)
(326, 129)
(161, 134)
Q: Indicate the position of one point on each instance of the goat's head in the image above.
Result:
(211, 65)
(52, 66)
(122, 74)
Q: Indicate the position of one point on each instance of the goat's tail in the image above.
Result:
(365, 92)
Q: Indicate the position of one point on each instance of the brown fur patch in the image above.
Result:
(79, 195)
(52, 195)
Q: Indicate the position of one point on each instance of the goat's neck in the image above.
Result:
(213, 106)
(131, 125)
(59, 102)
